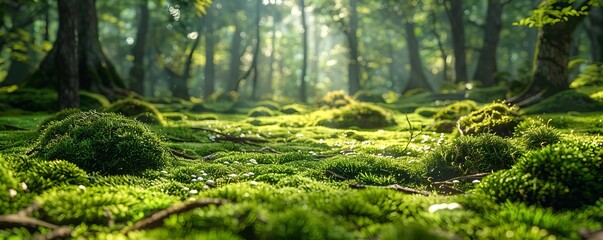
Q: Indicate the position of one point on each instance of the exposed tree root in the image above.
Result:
(156, 219)
(393, 187)
(182, 155)
(230, 138)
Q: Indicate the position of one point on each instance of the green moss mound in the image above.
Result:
(8, 186)
(496, 118)
(59, 116)
(294, 109)
(131, 107)
(467, 155)
(456, 110)
(274, 106)
(335, 99)
(149, 118)
(361, 115)
(569, 100)
(40, 175)
(535, 134)
(102, 142)
(566, 175)
(369, 96)
(260, 112)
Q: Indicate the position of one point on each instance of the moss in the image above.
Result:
(369, 96)
(591, 75)
(456, 110)
(274, 106)
(361, 115)
(46, 100)
(535, 134)
(353, 167)
(566, 101)
(80, 204)
(485, 95)
(566, 175)
(467, 155)
(8, 186)
(102, 142)
(335, 99)
(59, 116)
(496, 118)
(149, 118)
(294, 109)
(300, 223)
(260, 112)
(426, 111)
(40, 175)
(131, 107)
(598, 96)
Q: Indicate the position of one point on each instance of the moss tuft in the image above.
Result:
(335, 99)
(293, 109)
(131, 107)
(467, 155)
(369, 96)
(59, 116)
(496, 118)
(361, 115)
(40, 175)
(102, 142)
(260, 112)
(569, 100)
(534, 134)
(456, 110)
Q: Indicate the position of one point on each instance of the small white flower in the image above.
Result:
(193, 176)
(194, 180)
(12, 192)
(200, 178)
(245, 175)
(164, 172)
(236, 162)
(232, 175)
(226, 162)
(253, 183)
(475, 181)
(455, 181)
(24, 186)
(202, 171)
(204, 174)
(186, 188)
(250, 173)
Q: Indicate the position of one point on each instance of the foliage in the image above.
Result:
(361, 115)
(131, 107)
(102, 142)
(496, 118)
(467, 155)
(260, 112)
(550, 12)
(565, 175)
(591, 75)
(569, 100)
(335, 99)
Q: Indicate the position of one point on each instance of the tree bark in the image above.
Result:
(210, 69)
(235, 60)
(256, 53)
(353, 55)
(67, 54)
(269, 89)
(486, 65)
(443, 53)
(417, 76)
(302, 86)
(137, 73)
(455, 17)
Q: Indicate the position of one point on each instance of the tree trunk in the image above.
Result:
(67, 54)
(137, 73)
(235, 60)
(435, 32)
(96, 72)
(353, 56)
(455, 17)
(256, 54)
(302, 86)
(210, 69)
(417, 76)
(269, 88)
(486, 65)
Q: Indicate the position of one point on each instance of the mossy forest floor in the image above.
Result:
(305, 172)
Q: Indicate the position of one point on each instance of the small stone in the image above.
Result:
(455, 181)
(475, 181)
(200, 178)
(253, 183)
(81, 187)
(193, 176)
(24, 186)
(193, 192)
(232, 175)
(194, 180)
(250, 173)
(226, 162)
(12, 192)
(245, 175)
(210, 183)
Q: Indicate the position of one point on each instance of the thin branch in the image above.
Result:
(182, 155)
(29, 223)
(156, 219)
(262, 150)
(393, 187)
(411, 131)
(60, 233)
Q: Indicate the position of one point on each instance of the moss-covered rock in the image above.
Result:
(274, 106)
(131, 107)
(566, 175)
(569, 100)
(467, 155)
(260, 112)
(102, 142)
(335, 99)
(496, 118)
(361, 115)
(294, 109)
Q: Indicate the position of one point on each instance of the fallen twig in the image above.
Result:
(393, 187)
(230, 138)
(61, 232)
(182, 155)
(261, 150)
(334, 174)
(156, 219)
(476, 176)
(29, 223)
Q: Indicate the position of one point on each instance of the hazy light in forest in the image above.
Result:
(130, 40)
(192, 35)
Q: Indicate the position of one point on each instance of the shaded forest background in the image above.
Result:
(299, 50)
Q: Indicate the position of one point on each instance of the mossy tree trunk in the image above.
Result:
(137, 73)
(96, 72)
(550, 73)
(67, 54)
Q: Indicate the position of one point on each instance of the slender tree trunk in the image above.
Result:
(302, 86)
(235, 60)
(256, 54)
(486, 65)
(210, 71)
(435, 32)
(391, 67)
(269, 88)
(417, 76)
(47, 21)
(137, 73)
(67, 54)
(455, 17)
(353, 56)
